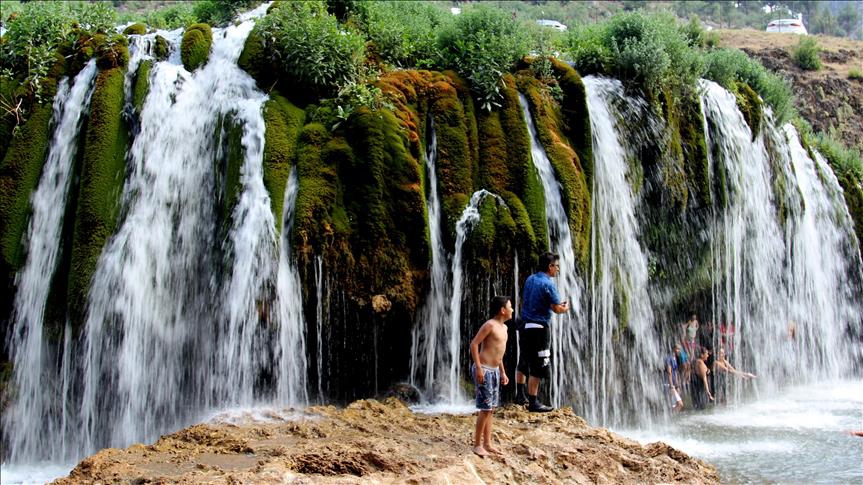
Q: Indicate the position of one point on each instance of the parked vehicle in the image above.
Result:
(789, 26)
(554, 24)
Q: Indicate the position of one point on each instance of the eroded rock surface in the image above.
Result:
(384, 442)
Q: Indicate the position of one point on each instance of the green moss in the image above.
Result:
(19, 175)
(386, 206)
(284, 121)
(670, 156)
(318, 190)
(135, 29)
(696, 162)
(112, 52)
(161, 49)
(750, 105)
(195, 47)
(254, 60)
(455, 156)
(142, 84)
(853, 192)
(229, 163)
(551, 125)
(101, 184)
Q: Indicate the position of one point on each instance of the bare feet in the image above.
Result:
(491, 449)
(480, 451)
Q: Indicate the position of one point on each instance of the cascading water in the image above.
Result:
(291, 353)
(431, 330)
(793, 298)
(621, 329)
(469, 217)
(155, 294)
(567, 329)
(33, 422)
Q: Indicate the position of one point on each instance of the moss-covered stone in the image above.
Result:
(161, 49)
(19, 175)
(552, 123)
(101, 184)
(112, 52)
(284, 122)
(228, 164)
(750, 105)
(254, 60)
(195, 47)
(141, 85)
(135, 29)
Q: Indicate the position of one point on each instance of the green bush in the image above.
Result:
(806, 54)
(482, 45)
(172, 17)
(220, 12)
(195, 48)
(588, 51)
(855, 74)
(404, 33)
(647, 52)
(727, 66)
(307, 47)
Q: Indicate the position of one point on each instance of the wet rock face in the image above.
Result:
(384, 442)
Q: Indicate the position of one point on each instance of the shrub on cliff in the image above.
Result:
(308, 48)
(195, 48)
(404, 33)
(647, 52)
(728, 66)
(482, 45)
(806, 54)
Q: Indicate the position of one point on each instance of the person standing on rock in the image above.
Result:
(539, 299)
(486, 351)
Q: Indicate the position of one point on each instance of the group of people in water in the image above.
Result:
(694, 369)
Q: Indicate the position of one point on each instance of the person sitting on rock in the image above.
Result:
(488, 371)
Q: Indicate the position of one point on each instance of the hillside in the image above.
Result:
(825, 98)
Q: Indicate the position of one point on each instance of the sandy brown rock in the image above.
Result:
(384, 442)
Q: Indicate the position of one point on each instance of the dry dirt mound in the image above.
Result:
(825, 98)
(384, 442)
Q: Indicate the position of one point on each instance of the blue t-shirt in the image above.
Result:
(538, 296)
(671, 361)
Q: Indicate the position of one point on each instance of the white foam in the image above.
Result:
(35, 474)
(445, 408)
(250, 415)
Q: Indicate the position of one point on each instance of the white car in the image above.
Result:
(788, 26)
(554, 24)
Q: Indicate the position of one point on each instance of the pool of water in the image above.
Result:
(799, 436)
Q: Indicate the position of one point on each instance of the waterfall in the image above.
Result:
(319, 323)
(156, 295)
(621, 317)
(291, 353)
(788, 280)
(567, 330)
(430, 331)
(33, 420)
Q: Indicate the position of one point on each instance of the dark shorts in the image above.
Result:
(534, 352)
(487, 393)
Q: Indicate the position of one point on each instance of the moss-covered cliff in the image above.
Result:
(103, 166)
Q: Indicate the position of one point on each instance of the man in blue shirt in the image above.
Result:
(539, 299)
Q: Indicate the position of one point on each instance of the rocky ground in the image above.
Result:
(384, 442)
(825, 98)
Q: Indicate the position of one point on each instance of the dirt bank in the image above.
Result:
(825, 98)
(384, 442)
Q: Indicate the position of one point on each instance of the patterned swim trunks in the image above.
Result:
(487, 393)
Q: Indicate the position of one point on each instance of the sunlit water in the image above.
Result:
(798, 436)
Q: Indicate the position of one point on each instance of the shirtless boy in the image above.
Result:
(488, 371)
